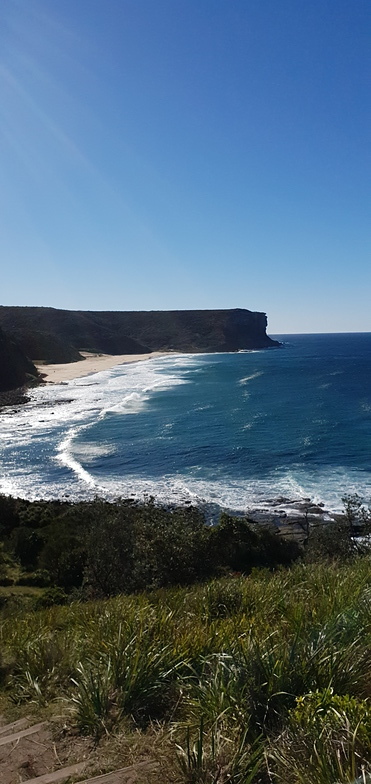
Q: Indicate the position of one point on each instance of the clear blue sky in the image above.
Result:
(163, 154)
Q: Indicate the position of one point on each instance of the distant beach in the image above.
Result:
(92, 363)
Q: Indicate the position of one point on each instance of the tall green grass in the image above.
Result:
(224, 666)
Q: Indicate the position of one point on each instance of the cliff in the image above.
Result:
(58, 335)
(15, 368)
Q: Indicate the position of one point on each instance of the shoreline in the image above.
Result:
(92, 363)
(288, 516)
(295, 526)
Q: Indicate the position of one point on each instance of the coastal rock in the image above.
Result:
(59, 335)
(15, 368)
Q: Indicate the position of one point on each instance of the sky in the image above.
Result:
(180, 154)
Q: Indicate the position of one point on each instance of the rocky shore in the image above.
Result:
(293, 518)
(13, 397)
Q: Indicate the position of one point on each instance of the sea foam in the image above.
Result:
(238, 430)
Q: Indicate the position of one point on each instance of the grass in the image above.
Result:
(215, 674)
(19, 590)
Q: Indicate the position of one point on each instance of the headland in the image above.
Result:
(34, 336)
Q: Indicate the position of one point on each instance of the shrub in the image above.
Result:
(43, 660)
(8, 514)
(318, 709)
(132, 676)
(26, 544)
(222, 599)
(331, 541)
(357, 515)
(328, 740)
(344, 538)
(50, 597)
(131, 547)
(63, 556)
(40, 578)
(6, 581)
(241, 545)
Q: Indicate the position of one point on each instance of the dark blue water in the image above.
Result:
(238, 429)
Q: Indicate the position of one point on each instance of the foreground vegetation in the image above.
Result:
(99, 549)
(245, 678)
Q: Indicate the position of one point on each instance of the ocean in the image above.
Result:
(238, 430)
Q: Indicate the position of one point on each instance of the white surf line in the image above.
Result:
(258, 373)
(64, 456)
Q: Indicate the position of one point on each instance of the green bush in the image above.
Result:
(63, 556)
(40, 578)
(241, 545)
(331, 541)
(357, 515)
(6, 581)
(8, 514)
(223, 599)
(26, 544)
(131, 547)
(50, 597)
(320, 709)
(328, 740)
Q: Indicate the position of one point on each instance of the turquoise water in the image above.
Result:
(237, 429)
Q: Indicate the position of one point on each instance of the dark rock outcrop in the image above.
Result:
(15, 368)
(49, 334)
(45, 346)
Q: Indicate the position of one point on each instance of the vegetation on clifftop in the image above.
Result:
(103, 549)
(58, 335)
(15, 368)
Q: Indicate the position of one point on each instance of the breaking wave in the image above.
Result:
(192, 428)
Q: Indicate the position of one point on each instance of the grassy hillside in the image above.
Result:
(242, 679)
(253, 676)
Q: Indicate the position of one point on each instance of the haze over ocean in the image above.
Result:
(234, 429)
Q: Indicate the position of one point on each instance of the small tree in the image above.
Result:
(357, 515)
(341, 538)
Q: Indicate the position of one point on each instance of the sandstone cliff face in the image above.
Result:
(245, 329)
(50, 334)
(15, 368)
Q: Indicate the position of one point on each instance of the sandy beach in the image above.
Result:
(92, 363)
